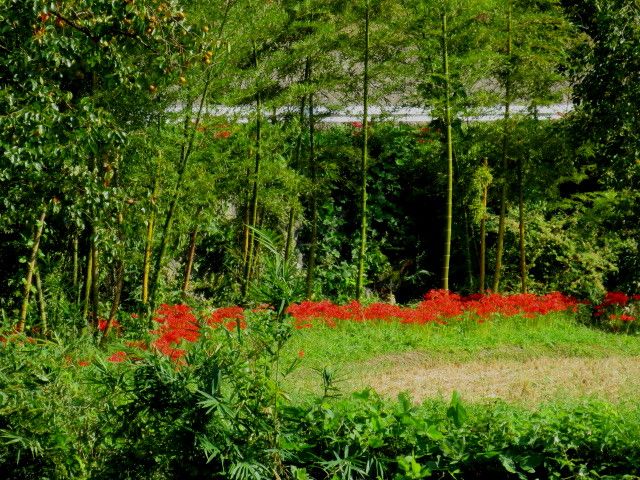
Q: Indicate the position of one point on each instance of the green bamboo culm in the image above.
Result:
(148, 245)
(447, 115)
(189, 134)
(253, 208)
(87, 287)
(296, 165)
(363, 166)
(521, 229)
(31, 267)
(42, 305)
(75, 265)
(483, 231)
(505, 165)
(313, 247)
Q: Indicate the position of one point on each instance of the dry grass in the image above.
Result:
(528, 382)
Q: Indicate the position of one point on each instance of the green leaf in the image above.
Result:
(456, 410)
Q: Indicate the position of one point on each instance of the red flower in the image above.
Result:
(102, 324)
(615, 298)
(118, 357)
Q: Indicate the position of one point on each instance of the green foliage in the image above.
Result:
(46, 414)
(221, 412)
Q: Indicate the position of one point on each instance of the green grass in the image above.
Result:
(349, 348)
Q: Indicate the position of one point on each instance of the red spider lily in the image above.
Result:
(225, 313)
(102, 324)
(222, 134)
(615, 298)
(437, 306)
(117, 357)
(356, 124)
(176, 323)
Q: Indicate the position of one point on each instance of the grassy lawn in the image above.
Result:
(517, 359)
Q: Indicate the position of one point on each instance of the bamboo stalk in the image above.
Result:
(505, 162)
(522, 246)
(483, 234)
(364, 160)
(115, 304)
(190, 258)
(42, 307)
(313, 247)
(255, 190)
(117, 291)
(185, 154)
(449, 210)
(148, 247)
(289, 241)
(296, 165)
(247, 219)
(75, 263)
(87, 286)
(95, 292)
(30, 270)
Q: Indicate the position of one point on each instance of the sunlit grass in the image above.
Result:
(354, 351)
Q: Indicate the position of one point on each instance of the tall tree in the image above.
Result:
(63, 66)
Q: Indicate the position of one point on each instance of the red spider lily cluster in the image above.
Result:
(177, 323)
(619, 311)
(437, 306)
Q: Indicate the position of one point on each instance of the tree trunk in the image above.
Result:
(449, 209)
(483, 234)
(30, 270)
(364, 161)
(505, 163)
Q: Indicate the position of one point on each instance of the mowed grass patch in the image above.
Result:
(378, 354)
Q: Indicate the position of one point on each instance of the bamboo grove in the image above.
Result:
(145, 143)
